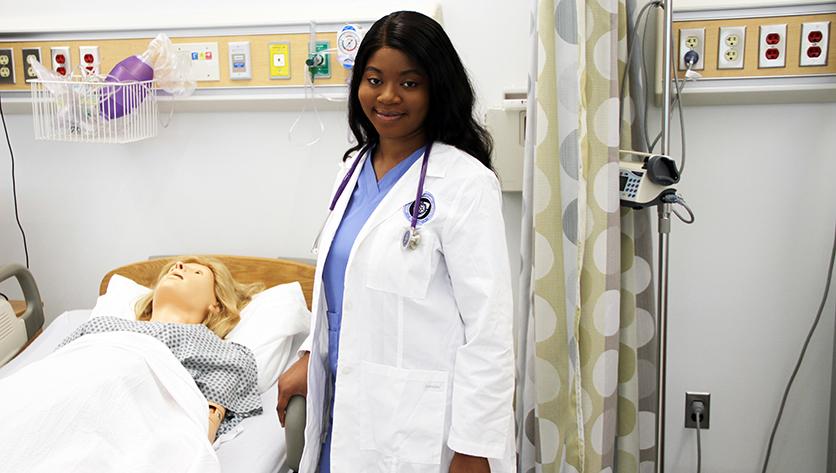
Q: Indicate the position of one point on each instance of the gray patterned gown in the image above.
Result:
(225, 372)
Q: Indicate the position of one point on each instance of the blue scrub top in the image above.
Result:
(364, 199)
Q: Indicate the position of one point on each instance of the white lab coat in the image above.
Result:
(426, 349)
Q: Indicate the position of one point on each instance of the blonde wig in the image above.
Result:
(231, 295)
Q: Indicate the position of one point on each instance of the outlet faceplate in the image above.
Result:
(691, 417)
(731, 48)
(28, 70)
(7, 66)
(89, 59)
(692, 39)
(814, 40)
(61, 61)
(772, 49)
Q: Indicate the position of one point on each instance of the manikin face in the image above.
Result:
(394, 95)
(190, 287)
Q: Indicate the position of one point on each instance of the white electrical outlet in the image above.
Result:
(692, 39)
(772, 49)
(29, 55)
(814, 40)
(89, 58)
(61, 60)
(732, 44)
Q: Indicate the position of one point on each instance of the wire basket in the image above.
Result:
(94, 111)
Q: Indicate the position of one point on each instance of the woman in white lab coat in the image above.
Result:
(409, 366)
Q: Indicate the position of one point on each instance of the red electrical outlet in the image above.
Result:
(89, 58)
(815, 37)
(61, 62)
(773, 46)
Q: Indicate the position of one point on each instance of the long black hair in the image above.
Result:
(450, 116)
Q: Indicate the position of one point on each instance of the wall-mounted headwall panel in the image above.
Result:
(786, 57)
(111, 51)
(775, 52)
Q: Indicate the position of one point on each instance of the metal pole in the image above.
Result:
(666, 79)
(664, 213)
(664, 228)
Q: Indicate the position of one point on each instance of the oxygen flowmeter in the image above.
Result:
(645, 182)
(348, 40)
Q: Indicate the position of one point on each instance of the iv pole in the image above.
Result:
(664, 228)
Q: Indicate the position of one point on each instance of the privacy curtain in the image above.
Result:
(585, 336)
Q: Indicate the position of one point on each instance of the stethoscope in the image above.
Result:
(411, 237)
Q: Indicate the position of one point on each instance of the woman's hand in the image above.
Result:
(467, 464)
(292, 382)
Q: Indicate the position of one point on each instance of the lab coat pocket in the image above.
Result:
(405, 412)
(398, 270)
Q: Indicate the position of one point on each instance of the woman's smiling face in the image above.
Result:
(394, 95)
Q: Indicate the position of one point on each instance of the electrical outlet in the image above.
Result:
(89, 58)
(692, 39)
(30, 54)
(691, 416)
(814, 40)
(772, 46)
(61, 60)
(731, 47)
(7, 66)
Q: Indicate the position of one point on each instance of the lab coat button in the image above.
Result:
(345, 370)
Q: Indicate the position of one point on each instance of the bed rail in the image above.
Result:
(12, 336)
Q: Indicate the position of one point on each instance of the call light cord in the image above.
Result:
(801, 356)
(14, 184)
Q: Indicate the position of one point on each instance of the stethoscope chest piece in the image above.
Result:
(411, 238)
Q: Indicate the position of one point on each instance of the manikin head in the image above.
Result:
(196, 290)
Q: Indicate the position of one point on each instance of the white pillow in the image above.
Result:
(273, 324)
(120, 298)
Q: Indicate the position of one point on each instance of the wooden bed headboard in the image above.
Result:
(245, 269)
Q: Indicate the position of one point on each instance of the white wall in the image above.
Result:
(211, 182)
(745, 279)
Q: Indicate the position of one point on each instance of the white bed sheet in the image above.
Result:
(259, 448)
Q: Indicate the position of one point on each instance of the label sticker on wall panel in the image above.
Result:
(203, 58)
(279, 60)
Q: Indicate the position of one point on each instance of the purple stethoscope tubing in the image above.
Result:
(416, 205)
(412, 232)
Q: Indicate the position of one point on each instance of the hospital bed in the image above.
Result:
(261, 447)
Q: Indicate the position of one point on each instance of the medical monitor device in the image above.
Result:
(643, 183)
